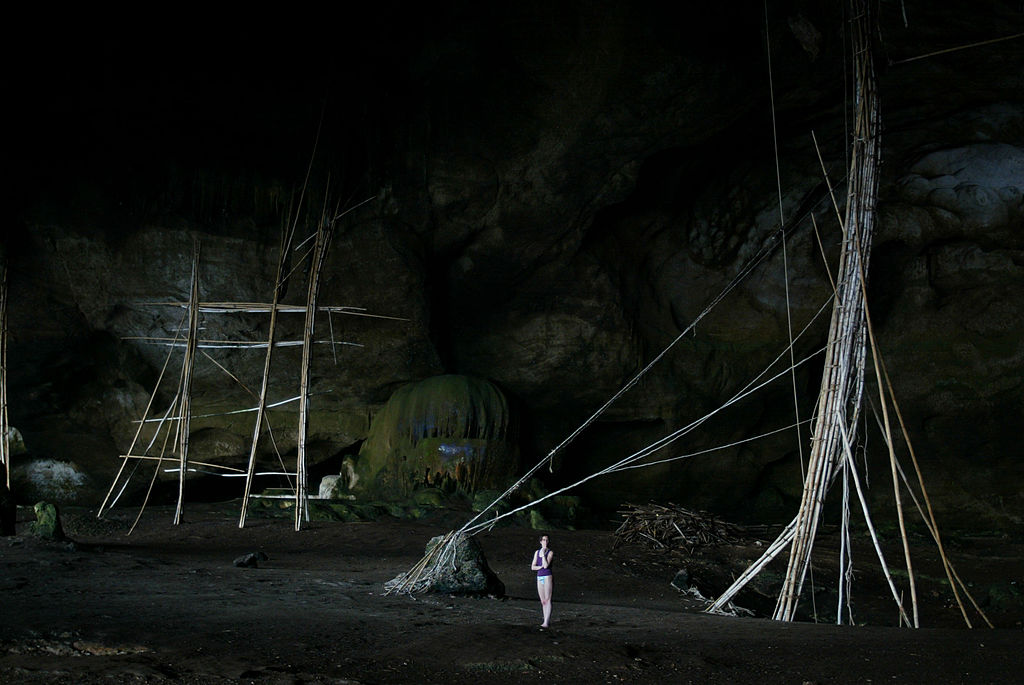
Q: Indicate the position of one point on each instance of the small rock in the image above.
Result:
(331, 487)
(250, 560)
(47, 524)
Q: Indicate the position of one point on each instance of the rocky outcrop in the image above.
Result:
(452, 432)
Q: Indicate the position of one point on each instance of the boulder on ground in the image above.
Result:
(468, 574)
(48, 479)
(331, 487)
(47, 525)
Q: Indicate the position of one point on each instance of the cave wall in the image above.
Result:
(558, 191)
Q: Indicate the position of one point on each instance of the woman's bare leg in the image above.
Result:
(544, 591)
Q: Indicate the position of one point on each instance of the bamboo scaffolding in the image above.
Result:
(182, 405)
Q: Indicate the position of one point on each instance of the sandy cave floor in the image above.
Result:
(166, 604)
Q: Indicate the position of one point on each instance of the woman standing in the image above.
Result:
(542, 565)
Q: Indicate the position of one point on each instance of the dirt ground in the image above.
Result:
(167, 604)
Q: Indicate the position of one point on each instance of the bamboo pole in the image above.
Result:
(152, 480)
(323, 239)
(234, 344)
(142, 422)
(186, 386)
(258, 308)
(149, 457)
(929, 519)
(5, 440)
(887, 429)
(773, 550)
(848, 452)
(261, 408)
(845, 554)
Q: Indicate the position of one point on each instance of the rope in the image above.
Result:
(958, 48)
(782, 222)
(761, 255)
(421, 576)
(751, 387)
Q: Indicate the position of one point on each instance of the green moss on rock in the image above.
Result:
(48, 524)
(450, 432)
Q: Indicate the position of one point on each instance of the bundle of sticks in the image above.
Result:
(672, 526)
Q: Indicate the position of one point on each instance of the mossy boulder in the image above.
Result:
(48, 525)
(453, 433)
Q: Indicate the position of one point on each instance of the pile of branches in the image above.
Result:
(671, 526)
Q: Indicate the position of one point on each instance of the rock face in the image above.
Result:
(450, 432)
(554, 202)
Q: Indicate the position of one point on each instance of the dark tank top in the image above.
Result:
(537, 562)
